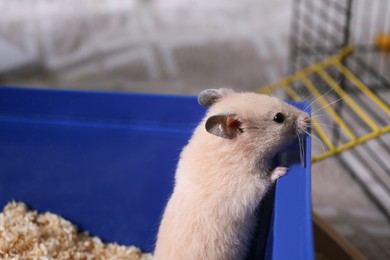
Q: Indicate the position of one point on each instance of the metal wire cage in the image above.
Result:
(346, 86)
(321, 28)
(340, 60)
(318, 29)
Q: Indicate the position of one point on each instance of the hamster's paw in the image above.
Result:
(278, 172)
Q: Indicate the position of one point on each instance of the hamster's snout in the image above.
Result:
(303, 123)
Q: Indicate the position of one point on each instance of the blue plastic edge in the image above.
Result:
(105, 107)
(295, 241)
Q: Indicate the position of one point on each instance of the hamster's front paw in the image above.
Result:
(278, 172)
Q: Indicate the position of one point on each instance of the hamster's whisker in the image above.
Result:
(301, 149)
(330, 89)
(304, 107)
(307, 95)
(319, 115)
(316, 138)
(303, 93)
(269, 90)
(318, 98)
(331, 103)
(339, 80)
(326, 125)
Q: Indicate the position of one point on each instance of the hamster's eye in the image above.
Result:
(279, 118)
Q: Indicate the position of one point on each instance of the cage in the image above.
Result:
(339, 58)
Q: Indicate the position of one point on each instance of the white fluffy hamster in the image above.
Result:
(223, 174)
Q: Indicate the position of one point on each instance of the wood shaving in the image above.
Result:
(26, 234)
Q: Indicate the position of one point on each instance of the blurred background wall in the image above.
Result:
(160, 46)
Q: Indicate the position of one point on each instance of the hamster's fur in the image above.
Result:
(223, 174)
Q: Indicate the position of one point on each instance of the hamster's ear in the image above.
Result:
(209, 96)
(227, 126)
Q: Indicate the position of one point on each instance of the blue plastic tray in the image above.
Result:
(106, 161)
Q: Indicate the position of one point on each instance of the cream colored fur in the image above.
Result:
(220, 182)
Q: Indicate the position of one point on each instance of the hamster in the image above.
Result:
(223, 174)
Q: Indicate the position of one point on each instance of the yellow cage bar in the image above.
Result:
(320, 69)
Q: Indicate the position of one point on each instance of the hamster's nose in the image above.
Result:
(307, 120)
(304, 123)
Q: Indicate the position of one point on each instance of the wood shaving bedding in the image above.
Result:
(26, 234)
